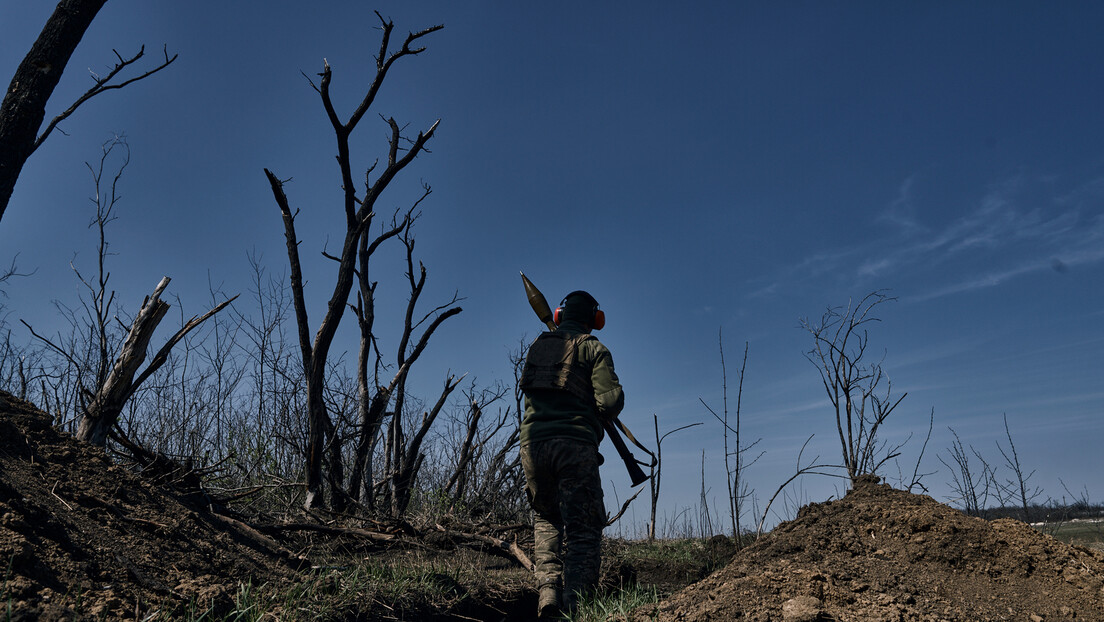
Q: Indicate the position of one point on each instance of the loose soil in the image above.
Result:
(881, 554)
(81, 536)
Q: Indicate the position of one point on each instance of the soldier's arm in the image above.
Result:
(608, 396)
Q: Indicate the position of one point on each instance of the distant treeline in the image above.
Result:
(1052, 512)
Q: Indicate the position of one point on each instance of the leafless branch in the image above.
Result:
(808, 469)
(103, 84)
(656, 475)
(624, 506)
(1018, 486)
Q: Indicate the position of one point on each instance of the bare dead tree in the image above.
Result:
(24, 106)
(656, 474)
(735, 486)
(373, 408)
(188, 418)
(1017, 486)
(103, 410)
(476, 438)
(371, 405)
(358, 218)
(407, 460)
(402, 453)
(102, 407)
(94, 335)
(970, 487)
(170, 427)
(853, 385)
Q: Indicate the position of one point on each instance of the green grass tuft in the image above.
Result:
(616, 605)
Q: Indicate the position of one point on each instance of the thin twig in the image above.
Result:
(70, 508)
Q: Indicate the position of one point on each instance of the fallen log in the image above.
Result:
(497, 546)
(339, 531)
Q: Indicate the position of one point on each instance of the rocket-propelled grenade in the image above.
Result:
(539, 304)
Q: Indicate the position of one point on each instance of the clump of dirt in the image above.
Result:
(83, 537)
(881, 554)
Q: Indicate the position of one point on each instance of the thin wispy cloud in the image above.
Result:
(1011, 233)
(927, 354)
(820, 404)
(817, 266)
(991, 279)
(1060, 247)
(874, 267)
(901, 212)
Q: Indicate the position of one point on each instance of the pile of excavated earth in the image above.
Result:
(881, 554)
(81, 537)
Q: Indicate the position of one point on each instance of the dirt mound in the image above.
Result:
(82, 537)
(882, 554)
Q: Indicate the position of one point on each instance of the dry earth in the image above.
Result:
(882, 554)
(82, 536)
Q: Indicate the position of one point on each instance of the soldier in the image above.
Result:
(569, 383)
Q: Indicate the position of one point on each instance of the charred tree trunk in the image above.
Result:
(370, 408)
(358, 219)
(459, 479)
(24, 106)
(102, 410)
(374, 408)
(409, 462)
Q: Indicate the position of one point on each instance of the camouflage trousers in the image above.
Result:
(565, 490)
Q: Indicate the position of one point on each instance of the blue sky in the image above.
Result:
(698, 167)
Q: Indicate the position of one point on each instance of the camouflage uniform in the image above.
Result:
(566, 494)
(560, 434)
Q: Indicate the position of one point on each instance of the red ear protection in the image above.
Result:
(599, 319)
(596, 323)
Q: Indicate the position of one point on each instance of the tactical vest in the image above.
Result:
(553, 363)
